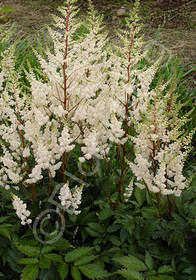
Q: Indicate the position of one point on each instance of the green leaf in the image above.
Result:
(54, 257)
(163, 277)
(3, 219)
(85, 260)
(114, 239)
(140, 196)
(149, 261)
(130, 274)
(123, 235)
(62, 244)
(92, 232)
(165, 269)
(105, 213)
(75, 273)
(5, 230)
(113, 228)
(1, 274)
(13, 255)
(30, 272)
(94, 271)
(149, 212)
(47, 249)
(44, 263)
(29, 250)
(131, 262)
(97, 227)
(77, 253)
(63, 270)
(28, 261)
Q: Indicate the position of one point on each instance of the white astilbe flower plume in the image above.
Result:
(21, 210)
(159, 140)
(128, 190)
(71, 199)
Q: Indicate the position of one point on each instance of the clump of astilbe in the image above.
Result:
(14, 106)
(64, 105)
(38, 129)
(66, 100)
(161, 145)
(123, 82)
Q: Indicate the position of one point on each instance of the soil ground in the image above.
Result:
(175, 18)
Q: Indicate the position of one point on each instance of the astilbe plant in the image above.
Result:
(161, 145)
(82, 97)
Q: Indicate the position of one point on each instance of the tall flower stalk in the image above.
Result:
(161, 145)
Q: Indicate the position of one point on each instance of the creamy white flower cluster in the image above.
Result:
(159, 140)
(70, 200)
(128, 190)
(21, 210)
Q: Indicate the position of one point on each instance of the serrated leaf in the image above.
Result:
(85, 260)
(53, 257)
(44, 263)
(5, 230)
(130, 274)
(113, 228)
(29, 250)
(93, 271)
(45, 274)
(149, 261)
(30, 272)
(165, 269)
(105, 213)
(123, 235)
(114, 239)
(28, 261)
(47, 249)
(77, 253)
(62, 244)
(13, 255)
(75, 273)
(131, 262)
(97, 227)
(93, 233)
(63, 270)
